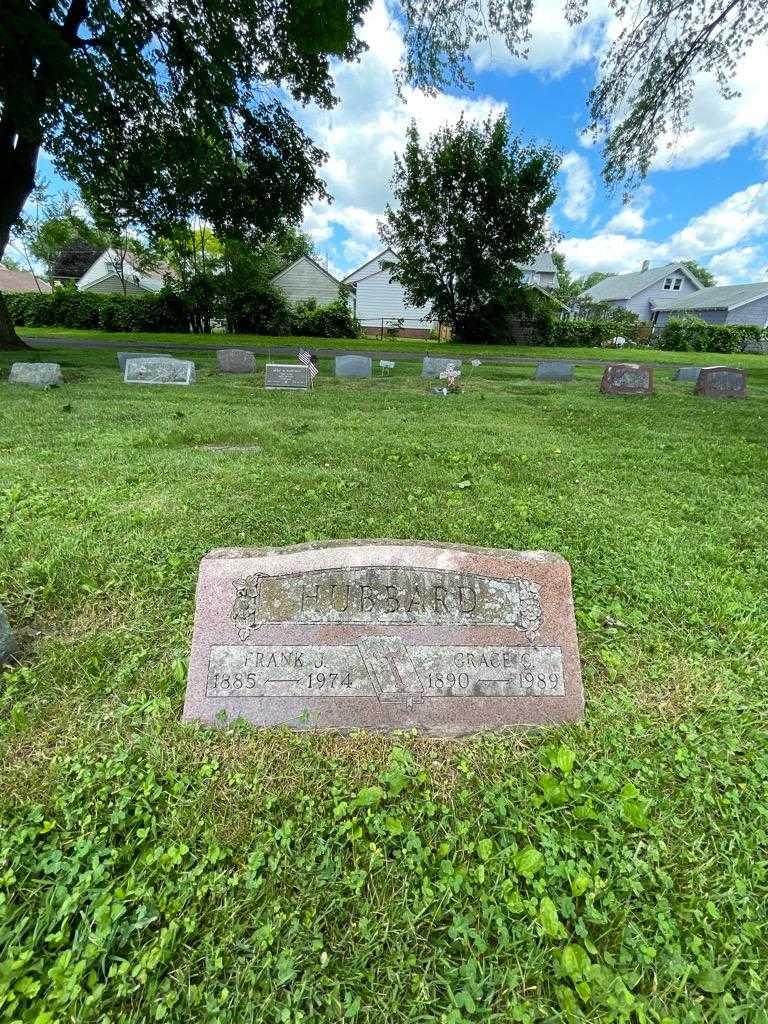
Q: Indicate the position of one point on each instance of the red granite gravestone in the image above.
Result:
(384, 635)
(627, 379)
(721, 382)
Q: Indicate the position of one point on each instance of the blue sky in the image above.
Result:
(706, 198)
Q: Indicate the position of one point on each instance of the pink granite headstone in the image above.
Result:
(721, 382)
(384, 635)
(627, 379)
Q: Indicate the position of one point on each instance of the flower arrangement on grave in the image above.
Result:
(453, 385)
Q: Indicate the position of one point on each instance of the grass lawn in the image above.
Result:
(418, 347)
(610, 871)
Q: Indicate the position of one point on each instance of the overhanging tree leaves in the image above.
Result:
(471, 209)
(160, 111)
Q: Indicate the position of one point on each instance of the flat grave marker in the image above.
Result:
(384, 635)
(687, 373)
(7, 639)
(123, 357)
(721, 382)
(159, 370)
(353, 366)
(287, 377)
(41, 375)
(627, 379)
(236, 360)
(554, 370)
(434, 366)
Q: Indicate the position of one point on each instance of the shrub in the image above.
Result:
(332, 321)
(583, 333)
(692, 334)
(258, 310)
(67, 307)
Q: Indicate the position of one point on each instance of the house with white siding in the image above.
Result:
(306, 279)
(380, 302)
(106, 273)
(721, 304)
(638, 291)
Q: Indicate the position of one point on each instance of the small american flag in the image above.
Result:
(306, 358)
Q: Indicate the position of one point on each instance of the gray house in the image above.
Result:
(639, 291)
(723, 304)
(306, 279)
(541, 272)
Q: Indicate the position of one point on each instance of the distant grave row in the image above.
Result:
(622, 379)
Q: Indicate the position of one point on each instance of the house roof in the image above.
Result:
(358, 275)
(542, 264)
(624, 286)
(308, 259)
(724, 296)
(109, 255)
(21, 281)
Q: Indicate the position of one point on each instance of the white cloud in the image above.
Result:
(579, 188)
(555, 47)
(718, 238)
(719, 124)
(631, 218)
(363, 132)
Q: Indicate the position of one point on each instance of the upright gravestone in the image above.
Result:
(627, 379)
(287, 377)
(721, 382)
(384, 635)
(353, 366)
(555, 370)
(41, 375)
(236, 360)
(7, 639)
(159, 370)
(755, 347)
(123, 357)
(433, 366)
(687, 373)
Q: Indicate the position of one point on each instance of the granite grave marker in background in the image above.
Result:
(287, 377)
(627, 379)
(353, 366)
(159, 370)
(123, 357)
(433, 366)
(384, 635)
(39, 374)
(721, 382)
(554, 370)
(236, 360)
(687, 373)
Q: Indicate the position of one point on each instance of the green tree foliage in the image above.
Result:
(158, 114)
(569, 285)
(704, 276)
(471, 209)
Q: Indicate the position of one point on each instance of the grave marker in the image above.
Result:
(7, 639)
(627, 379)
(721, 382)
(433, 366)
(687, 373)
(554, 370)
(40, 375)
(236, 360)
(384, 635)
(123, 357)
(353, 366)
(159, 370)
(287, 377)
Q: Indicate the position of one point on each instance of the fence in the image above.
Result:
(402, 327)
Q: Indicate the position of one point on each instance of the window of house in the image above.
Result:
(667, 284)
(676, 284)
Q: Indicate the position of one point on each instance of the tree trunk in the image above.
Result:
(18, 157)
(9, 339)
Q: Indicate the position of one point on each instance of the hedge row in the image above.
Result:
(692, 334)
(65, 307)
